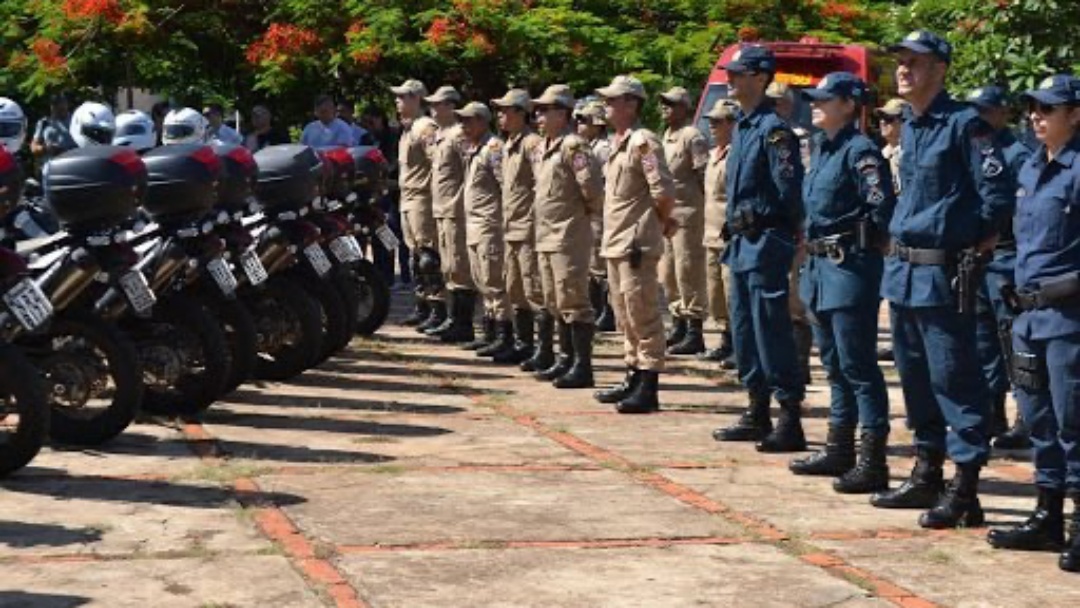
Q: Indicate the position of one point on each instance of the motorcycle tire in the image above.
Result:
(345, 282)
(286, 300)
(334, 318)
(242, 339)
(373, 306)
(23, 394)
(185, 321)
(112, 359)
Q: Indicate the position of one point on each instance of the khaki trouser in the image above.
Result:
(682, 272)
(454, 255)
(418, 228)
(565, 279)
(635, 297)
(486, 260)
(523, 277)
(597, 265)
(719, 280)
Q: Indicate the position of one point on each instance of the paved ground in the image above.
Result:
(409, 474)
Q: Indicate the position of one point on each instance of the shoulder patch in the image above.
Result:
(780, 136)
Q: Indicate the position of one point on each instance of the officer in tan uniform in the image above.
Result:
(414, 179)
(522, 148)
(591, 120)
(722, 119)
(681, 270)
(484, 223)
(568, 193)
(639, 197)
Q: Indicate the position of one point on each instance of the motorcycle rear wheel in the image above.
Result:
(22, 394)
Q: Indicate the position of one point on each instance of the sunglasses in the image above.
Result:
(1042, 108)
(889, 119)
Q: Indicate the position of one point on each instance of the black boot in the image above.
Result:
(596, 295)
(421, 311)
(837, 458)
(1044, 529)
(580, 374)
(523, 341)
(999, 422)
(922, 488)
(544, 356)
(461, 315)
(885, 354)
(693, 342)
(959, 506)
(871, 473)
(448, 322)
(503, 346)
(435, 319)
(622, 390)
(753, 425)
(566, 355)
(721, 352)
(804, 341)
(1070, 558)
(678, 331)
(730, 362)
(486, 337)
(788, 435)
(1016, 438)
(645, 398)
(1073, 530)
(606, 320)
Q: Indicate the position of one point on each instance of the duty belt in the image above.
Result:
(923, 257)
(854, 237)
(750, 224)
(1051, 293)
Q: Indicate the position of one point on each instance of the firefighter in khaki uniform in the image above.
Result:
(414, 179)
(639, 197)
(722, 119)
(519, 192)
(591, 120)
(484, 223)
(568, 194)
(681, 270)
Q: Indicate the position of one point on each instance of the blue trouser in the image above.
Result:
(762, 335)
(1054, 413)
(847, 339)
(992, 313)
(944, 392)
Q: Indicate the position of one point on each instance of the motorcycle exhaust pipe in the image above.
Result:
(64, 283)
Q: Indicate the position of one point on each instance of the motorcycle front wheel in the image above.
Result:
(290, 328)
(24, 410)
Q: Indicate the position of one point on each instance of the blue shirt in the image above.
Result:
(764, 174)
(848, 181)
(1047, 229)
(955, 192)
(335, 135)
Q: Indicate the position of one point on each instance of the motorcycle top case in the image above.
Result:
(371, 169)
(94, 188)
(238, 176)
(289, 176)
(10, 181)
(339, 171)
(183, 182)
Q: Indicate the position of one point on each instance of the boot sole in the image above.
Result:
(971, 519)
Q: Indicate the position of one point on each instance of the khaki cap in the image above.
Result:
(410, 87)
(778, 90)
(677, 95)
(592, 113)
(623, 85)
(445, 93)
(723, 109)
(474, 109)
(893, 107)
(556, 95)
(514, 98)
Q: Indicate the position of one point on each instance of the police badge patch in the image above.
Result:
(992, 167)
(580, 161)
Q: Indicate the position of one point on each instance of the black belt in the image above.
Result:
(746, 222)
(1051, 293)
(923, 257)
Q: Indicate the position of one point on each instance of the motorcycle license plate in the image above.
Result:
(137, 291)
(346, 249)
(387, 237)
(29, 305)
(253, 268)
(318, 259)
(223, 275)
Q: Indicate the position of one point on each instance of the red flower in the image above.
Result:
(48, 53)
(482, 44)
(367, 57)
(109, 10)
(281, 42)
(438, 32)
(840, 10)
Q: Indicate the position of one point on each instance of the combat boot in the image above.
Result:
(580, 374)
(718, 354)
(503, 346)
(435, 319)
(596, 294)
(1044, 529)
(544, 356)
(837, 458)
(753, 425)
(1070, 558)
(461, 314)
(788, 435)
(693, 342)
(1016, 438)
(871, 473)
(804, 341)
(645, 397)
(1073, 531)
(999, 421)
(606, 320)
(678, 331)
(621, 390)
(922, 488)
(487, 335)
(565, 359)
(448, 322)
(523, 339)
(421, 311)
(959, 506)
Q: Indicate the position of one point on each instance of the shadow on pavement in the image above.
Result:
(367, 383)
(250, 397)
(297, 454)
(23, 534)
(342, 367)
(23, 599)
(331, 425)
(156, 492)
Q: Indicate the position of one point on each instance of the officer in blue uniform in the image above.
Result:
(764, 183)
(849, 200)
(954, 196)
(994, 320)
(1046, 331)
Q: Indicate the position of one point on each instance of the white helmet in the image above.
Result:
(183, 126)
(12, 125)
(135, 129)
(93, 124)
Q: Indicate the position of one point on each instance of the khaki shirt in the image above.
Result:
(414, 165)
(568, 190)
(601, 148)
(519, 185)
(483, 190)
(448, 172)
(716, 196)
(687, 153)
(637, 174)
(892, 154)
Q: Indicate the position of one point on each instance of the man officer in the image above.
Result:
(591, 120)
(722, 118)
(954, 196)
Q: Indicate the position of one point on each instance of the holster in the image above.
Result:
(1030, 372)
(968, 275)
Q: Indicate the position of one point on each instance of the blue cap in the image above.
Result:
(752, 58)
(838, 84)
(988, 97)
(1056, 90)
(924, 42)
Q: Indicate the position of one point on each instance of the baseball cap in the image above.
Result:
(592, 113)
(925, 42)
(1056, 90)
(623, 85)
(675, 96)
(474, 109)
(444, 93)
(556, 95)
(723, 109)
(752, 58)
(514, 98)
(410, 87)
(838, 84)
(892, 108)
(987, 97)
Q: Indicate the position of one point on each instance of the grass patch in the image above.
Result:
(225, 472)
(174, 588)
(375, 439)
(385, 469)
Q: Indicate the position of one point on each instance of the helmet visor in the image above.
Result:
(10, 128)
(177, 132)
(98, 134)
(132, 129)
